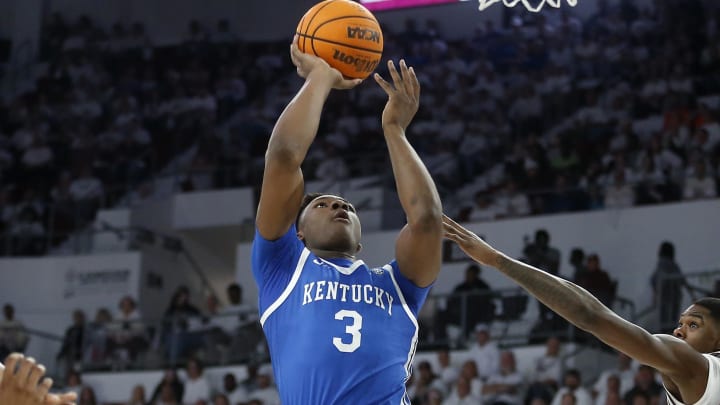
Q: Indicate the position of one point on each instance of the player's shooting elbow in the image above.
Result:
(284, 154)
(426, 218)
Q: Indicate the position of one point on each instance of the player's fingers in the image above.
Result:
(37, 372)
(26, 366)
(406, 80)
(397, 80)
(384, 84)
(349, 83)
(294, 54)
(11, 363)
(415, 84)
(43, 388)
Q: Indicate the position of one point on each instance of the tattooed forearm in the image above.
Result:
(567, 299)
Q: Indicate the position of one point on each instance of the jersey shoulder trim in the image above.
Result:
(291, 285)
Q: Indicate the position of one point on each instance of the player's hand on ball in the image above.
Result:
(307, 64)
(23, 384)
(403, 93)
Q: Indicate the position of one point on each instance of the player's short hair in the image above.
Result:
(307, 199)
(712, 304)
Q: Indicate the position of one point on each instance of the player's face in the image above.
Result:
(699, 329)
(330, 223)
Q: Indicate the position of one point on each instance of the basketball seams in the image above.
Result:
(346, 35)
(358, 48)
(310, 20)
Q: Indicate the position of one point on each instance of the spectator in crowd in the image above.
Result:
(667, 282)
(544, 377)
(167, 395)
(13, 336)
(73, 344)
(138, 396)
(645, 384)
(572, 384)
(179, 340)
(624, 372)
(87, 397)
(196, 385)
(127, 335)
(87, 192)
(233, 392)
(611, 393)
(485, 352)
(250, 383)
(222, 399)
(73, 382)
(462, 395)
(597, 281)
(503, 387)
(447, 374)
(619, 194)
(97, 338)
(540, 254)
(423, 382)
(469, 371)
(577, 261)
(699, 184)
(265, 390)
(475, 296)
(169, 388)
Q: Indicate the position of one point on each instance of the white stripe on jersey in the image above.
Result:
(295, 277)
(413, 343)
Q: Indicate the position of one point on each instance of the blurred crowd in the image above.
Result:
(545, 113)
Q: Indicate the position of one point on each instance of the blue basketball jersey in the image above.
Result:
(339, 332)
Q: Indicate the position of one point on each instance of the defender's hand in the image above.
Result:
(470, 243)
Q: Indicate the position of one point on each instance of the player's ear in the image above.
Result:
(359, 248)
(301, 236)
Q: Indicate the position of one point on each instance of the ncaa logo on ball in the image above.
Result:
(359, 63)
(363, 33)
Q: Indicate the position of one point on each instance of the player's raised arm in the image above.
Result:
(673, 357)
(418, 246)
(295, 130)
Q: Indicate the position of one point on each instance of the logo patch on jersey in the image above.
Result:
(378, 270)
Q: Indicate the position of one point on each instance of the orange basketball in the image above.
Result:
(345, 34)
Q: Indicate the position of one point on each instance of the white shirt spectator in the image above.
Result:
(237, 396)
(267, 395)
(37, 156)
(582, 396)
(195, 390)
(487, 358)
(86, 188)
(699, 187)
(626, 377)
(454, 399)
(619, 196)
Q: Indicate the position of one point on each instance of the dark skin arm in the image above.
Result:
(418, 246)
(679, 363)
(283, 184)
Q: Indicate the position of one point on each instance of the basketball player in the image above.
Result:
(341, 332)
(687, 360)
(20, 384)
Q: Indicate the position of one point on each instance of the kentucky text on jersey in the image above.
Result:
(333, 290)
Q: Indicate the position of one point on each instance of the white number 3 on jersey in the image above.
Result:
(352, 329)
